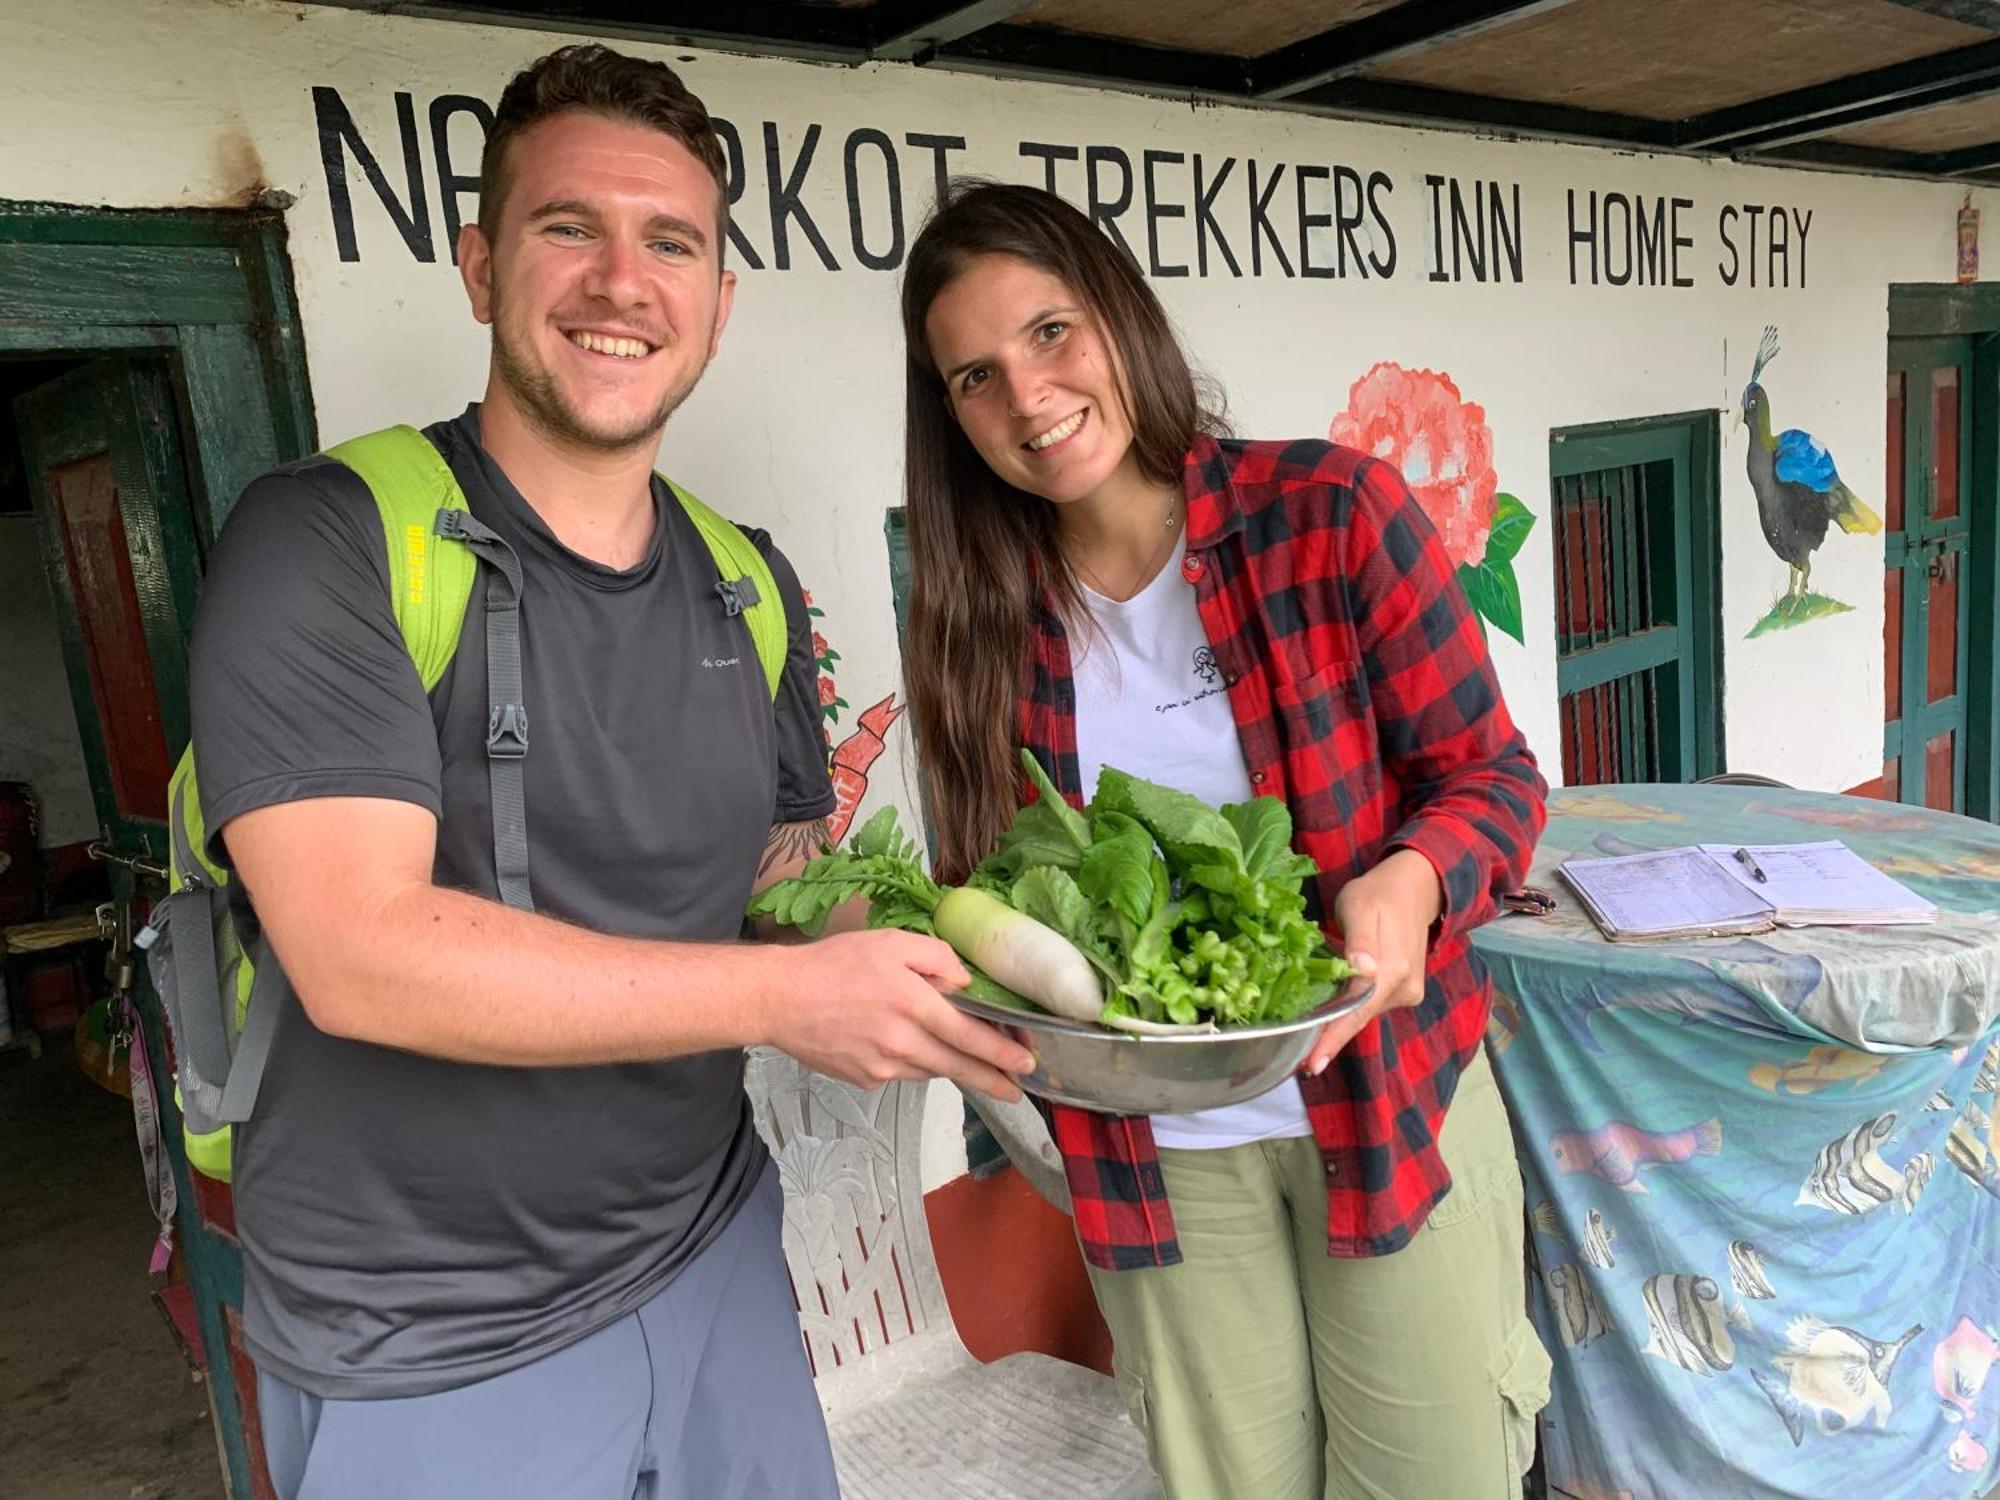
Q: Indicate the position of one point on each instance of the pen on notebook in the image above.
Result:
(1750, 864)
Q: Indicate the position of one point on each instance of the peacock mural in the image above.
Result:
(1799, 495)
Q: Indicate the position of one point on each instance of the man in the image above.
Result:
(507, 1227)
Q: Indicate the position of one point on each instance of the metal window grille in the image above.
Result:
(1638, 693)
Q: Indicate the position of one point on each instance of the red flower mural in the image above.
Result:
(850, 760)
(1419, 422)
(830, 701)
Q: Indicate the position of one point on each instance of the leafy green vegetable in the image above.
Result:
(1191, 913)
(1050, 895)
(1264, 828)
(885, 866)
(881, 864)
(1188, 829)
(1118, 869)
(1047, 831)
(1195, 913)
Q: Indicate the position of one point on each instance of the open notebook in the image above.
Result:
(1702, 890)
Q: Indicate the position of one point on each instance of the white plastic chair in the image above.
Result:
(913, 1415)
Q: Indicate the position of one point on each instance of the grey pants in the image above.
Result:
(702, 1394)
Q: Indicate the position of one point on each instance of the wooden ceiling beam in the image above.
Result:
(1967, 161)
(1841, 103)
(1416, 104)
(1076, 57)
(914, 32)
(776, 28)
(1408, 30)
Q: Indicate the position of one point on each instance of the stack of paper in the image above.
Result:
(1821, 885)
(1716, 889)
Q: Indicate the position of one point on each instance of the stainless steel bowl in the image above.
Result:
(1118, 1073)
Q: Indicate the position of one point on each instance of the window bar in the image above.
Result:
(1593, 563)
(1579, 623)
(1579, 566)
(1559, 501)
(1621, 548)
(1615, 542)
(1586, 728)
(1580, 561)
(1644, 528)
(1628, 715)
(1642, 750)
(1653, 714)
(1635, 549)
(1614, 763)
(1607, 743)
(1634, 688)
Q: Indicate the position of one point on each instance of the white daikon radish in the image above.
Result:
(1031, 959)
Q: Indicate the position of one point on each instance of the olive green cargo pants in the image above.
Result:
(1261, 1368)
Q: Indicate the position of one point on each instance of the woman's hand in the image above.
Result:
(1385, 917)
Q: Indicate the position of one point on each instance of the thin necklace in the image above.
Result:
(1150, 571)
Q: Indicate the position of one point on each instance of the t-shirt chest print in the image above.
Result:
(1204, 679)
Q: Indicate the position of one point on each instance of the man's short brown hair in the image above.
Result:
(593, 79)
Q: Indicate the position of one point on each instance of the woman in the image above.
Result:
(1299, 1309)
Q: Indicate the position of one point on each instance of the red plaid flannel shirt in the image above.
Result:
(1364, 697)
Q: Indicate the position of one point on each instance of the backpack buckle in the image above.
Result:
(737, 596)
(507, 732)
(458, 525)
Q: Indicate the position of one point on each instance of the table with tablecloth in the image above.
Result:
(1761, 1170)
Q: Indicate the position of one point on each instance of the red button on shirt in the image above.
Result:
(1192, 568)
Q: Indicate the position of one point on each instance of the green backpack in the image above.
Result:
(221, 1000)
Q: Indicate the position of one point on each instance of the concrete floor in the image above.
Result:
(96, 1402)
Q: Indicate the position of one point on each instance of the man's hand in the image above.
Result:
(1385, 917)
(869, 1011)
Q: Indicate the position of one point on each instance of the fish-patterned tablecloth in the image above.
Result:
(1762, 1171)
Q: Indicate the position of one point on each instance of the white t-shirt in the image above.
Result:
(1150, 700)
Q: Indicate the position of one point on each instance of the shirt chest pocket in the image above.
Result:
(1333, 765)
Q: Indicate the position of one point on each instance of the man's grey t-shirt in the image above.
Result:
(411, 1224)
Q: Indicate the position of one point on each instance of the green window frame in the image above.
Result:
(1636, 530)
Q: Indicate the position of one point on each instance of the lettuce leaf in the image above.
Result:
(1186, 828)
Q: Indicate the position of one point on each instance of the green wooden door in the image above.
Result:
(102, 444)
(108, 471)
(189, 383)
(1926, 608)
(190, 380)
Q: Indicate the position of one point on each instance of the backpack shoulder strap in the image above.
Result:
(435, 548)
(747, 587)
(187, 838)
(429, 583)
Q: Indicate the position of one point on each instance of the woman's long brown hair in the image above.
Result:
(980, 550)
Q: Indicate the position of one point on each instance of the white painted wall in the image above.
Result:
(797, 426)
(38, 739)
